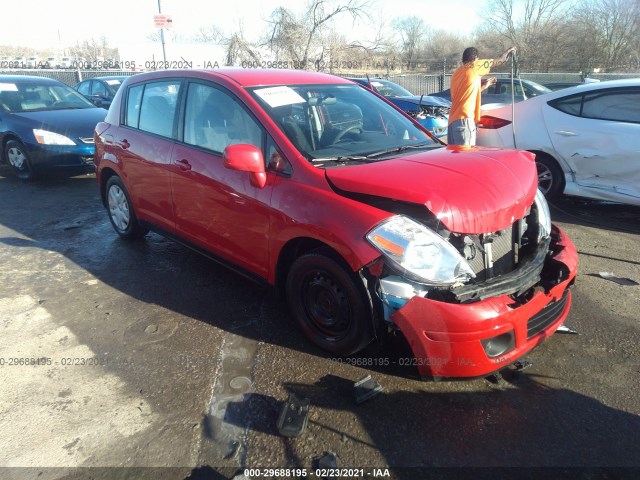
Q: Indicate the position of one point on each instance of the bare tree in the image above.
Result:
(210, 34)
(295, 36)
(412, 32)
(534, 26)
(614, 27)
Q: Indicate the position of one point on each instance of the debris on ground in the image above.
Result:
(294, 416)
(564, 329)
(627, 282)
(366, 388)
(328, 463)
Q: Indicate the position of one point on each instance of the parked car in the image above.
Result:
(67, 62)
(52, 62)
(33, 62)
(501, 91)
(45, 125)
(431, 112)
(316, 186)
(586, 139)
(100, 90)
(560, 85)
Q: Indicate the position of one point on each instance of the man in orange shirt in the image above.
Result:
(466, 85)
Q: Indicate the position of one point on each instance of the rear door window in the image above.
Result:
(620, 106)
(134, 99)
(571, 105)
(158, 107)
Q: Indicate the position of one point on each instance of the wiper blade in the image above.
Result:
(401, 148)
(345, 158)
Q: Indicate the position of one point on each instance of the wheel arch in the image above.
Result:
(297, 247)
(105, 175)
(6, 138)
(559, 164)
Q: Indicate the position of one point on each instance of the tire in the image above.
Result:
(17, 158)
(329, 304)
(550, 176)
(120, 211)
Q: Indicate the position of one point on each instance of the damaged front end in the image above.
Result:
(470, 304)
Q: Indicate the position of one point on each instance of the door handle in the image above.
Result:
(184, 165)
(124, 144)
(566, 133)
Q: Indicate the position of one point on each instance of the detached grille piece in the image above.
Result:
(546, 316)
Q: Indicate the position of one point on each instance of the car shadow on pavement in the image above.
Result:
(525, 423)
(593, 213)
(167, 286)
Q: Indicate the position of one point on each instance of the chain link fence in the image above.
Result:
(420, 84)
(70, 77)
(426, 84)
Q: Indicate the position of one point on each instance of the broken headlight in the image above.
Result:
(544, 217)
(419, 252)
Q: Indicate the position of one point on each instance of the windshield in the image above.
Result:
(390, 89)
(19, 97)
(114, 84)
(339, 122)
(539, 89)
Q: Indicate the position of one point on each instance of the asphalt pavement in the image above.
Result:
(144, 359)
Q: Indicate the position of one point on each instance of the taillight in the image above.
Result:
(492, 123)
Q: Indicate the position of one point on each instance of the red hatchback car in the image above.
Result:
(364, 222)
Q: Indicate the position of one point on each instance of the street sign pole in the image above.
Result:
(164, 54)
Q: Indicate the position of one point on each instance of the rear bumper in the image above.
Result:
(446, 338)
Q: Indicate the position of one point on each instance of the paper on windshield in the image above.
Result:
(8, 87)
(279, 96)
(113, 82)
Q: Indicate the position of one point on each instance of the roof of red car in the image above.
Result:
(252, 77)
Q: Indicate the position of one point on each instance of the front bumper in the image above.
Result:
(76, 158)
(446, 338)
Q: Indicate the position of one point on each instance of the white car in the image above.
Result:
(586, 138)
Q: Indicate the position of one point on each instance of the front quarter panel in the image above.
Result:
(305, 211)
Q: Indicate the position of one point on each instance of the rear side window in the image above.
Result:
(571, 105)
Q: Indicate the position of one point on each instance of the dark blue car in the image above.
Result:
(100, 90)
(431, 112)
(46, 126)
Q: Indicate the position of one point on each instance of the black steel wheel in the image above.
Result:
(120, 210)
(329, 304)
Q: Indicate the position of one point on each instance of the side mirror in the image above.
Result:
(244, 157)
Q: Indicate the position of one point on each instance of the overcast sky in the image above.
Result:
(43, 24)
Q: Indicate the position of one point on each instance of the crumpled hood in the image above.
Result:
(427, 100)
(470, 189)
